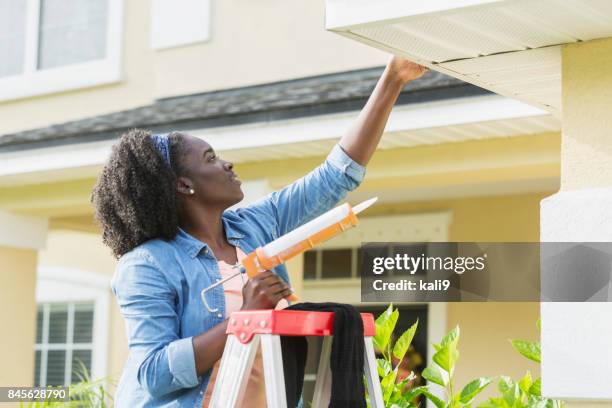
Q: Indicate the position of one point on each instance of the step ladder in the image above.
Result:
(246, 329)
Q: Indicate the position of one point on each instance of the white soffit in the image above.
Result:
(508, 46)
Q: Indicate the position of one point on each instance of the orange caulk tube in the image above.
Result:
(303, 238)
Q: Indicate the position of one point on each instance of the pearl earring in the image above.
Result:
(191, 191)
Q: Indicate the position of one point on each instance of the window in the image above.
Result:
(55, 45)
(346, 262)
(72, 325)
(337, 263)
(64, 335)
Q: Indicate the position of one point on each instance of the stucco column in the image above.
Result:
(577, 337)
(20, 239)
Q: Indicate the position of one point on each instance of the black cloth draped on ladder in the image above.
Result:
(346, 360)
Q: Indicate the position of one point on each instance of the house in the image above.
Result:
(272, 91)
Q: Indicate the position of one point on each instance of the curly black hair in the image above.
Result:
(135, 194)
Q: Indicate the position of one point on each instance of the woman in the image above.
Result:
(162, 204)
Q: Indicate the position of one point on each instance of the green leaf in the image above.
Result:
(398, 393)
(525, 382)
(494, 403)
(539, 402)
(383, 366)
(437, 401)
(452, 336)
(403, 343)
(536, 388)
(455, 402)
(539, 323)
(413, 393)
(385, 323)
(473, 388)
(512, 395)
(433, 374)
(505, 383)
(397, 390)
(403, 404)
(388, 385)
(529, 349)
(447, 355)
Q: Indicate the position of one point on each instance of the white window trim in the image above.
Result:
(33, 82)
(70, 285)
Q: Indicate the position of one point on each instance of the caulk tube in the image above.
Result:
(305, 231)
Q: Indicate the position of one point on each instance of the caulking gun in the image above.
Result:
(303, 238)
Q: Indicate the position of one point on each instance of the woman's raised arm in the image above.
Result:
(344, 168)
(363, 137)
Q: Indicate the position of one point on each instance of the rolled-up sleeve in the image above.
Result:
(311, 195)
(165, 362)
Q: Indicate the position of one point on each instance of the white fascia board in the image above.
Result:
(24, 232)
(343, 13)
(38, 165)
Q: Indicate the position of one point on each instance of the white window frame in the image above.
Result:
(69, 346)
(64, 285)
(33, 82)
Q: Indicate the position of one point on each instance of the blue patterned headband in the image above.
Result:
(162, 144)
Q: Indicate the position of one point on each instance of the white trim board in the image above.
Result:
(247, 142)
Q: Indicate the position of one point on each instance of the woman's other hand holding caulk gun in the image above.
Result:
(266, 289)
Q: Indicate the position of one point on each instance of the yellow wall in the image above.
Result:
(502, 218)
(17, 316)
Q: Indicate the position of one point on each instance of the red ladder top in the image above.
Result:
(245, 323)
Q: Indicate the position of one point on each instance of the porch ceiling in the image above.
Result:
(510, 47)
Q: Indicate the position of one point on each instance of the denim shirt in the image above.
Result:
(158, 285)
